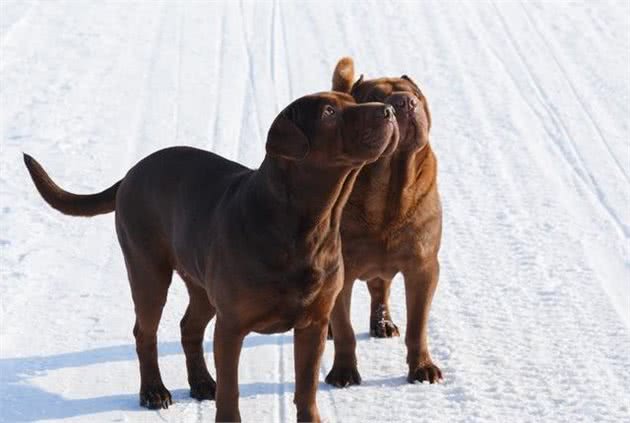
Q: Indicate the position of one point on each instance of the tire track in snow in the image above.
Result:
(610, 271)
(543, 298)
(232, 85)
(272, 46)
(287, 61)
(143, 102)
(178, 77)
(250, 97)
(575, 93)
(531, 107)
(95, 243)
(585, 175)
(219, 71)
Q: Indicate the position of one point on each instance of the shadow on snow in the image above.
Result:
(35, 403)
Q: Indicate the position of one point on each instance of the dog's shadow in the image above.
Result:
(23, 402)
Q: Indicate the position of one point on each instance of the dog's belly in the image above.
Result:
(365, 255)
(282, 317)
(367, 258)
(277, 326)
(286, 315)
(380, 269)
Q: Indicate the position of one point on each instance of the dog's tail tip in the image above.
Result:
(343, 75)
(67, 202)
(345, 62)
(28, 159)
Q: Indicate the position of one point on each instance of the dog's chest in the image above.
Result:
(308, 298)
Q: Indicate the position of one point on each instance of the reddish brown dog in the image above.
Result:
(261, 249)
(392, 223)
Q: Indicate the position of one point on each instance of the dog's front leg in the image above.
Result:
(420, 285)
(344, 371)
(227, 350)
(308, 346)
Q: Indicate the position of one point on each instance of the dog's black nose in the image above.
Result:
(389, 112)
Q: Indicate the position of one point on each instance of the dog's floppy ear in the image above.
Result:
(286, 140)
(407, 78)
(343, 75)
(425, 104)
(356, 84)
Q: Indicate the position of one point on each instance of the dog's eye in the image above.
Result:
(329, 111)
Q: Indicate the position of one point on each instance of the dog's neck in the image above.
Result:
(310, 197)
(396, 185)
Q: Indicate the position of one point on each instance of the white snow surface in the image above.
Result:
(530, 105)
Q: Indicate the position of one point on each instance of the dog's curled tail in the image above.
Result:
(343, 75)
(67, 202)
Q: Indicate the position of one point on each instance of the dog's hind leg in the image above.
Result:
(381, 324)
(149, 279)
(193, 325)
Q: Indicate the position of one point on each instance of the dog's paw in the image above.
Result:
(204, 390)
(383, 328)
(155, 397)
(342, 377)
(427, 372)
(381, 324)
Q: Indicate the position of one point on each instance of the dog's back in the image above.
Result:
(159, 189)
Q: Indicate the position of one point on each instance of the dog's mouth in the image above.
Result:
(394, 139)
(377, 138)
(371, 140)
(413, 131)
(410, 130)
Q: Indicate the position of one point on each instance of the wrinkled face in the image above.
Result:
(331, 129)
(412, 109)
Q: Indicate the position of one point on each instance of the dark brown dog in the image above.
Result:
(392, 223)
(261, 249)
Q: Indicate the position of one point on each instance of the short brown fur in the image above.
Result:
(392, 223)
(260, 249)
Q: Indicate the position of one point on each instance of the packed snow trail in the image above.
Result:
(530, 105)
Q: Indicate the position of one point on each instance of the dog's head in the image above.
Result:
(412, 108)
(331, 129)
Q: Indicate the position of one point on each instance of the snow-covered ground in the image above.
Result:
(531, 109)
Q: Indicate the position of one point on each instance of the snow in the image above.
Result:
(530, 105)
